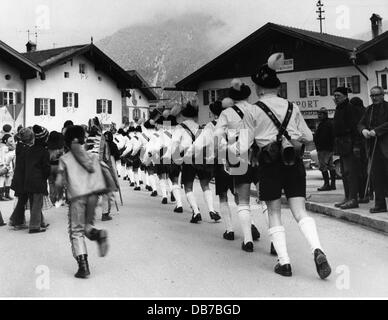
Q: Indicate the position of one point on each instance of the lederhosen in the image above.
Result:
(173, 169)
(128, 159)
(223, 180)
(251, 175)
(150, 168)
(274, 175)
(136, 158)
(189, 171)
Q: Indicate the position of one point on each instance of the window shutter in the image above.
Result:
(356, 84)
(333, 85)
(37, 107)
(205, 97)
(302, 89)
(18, 97)
(110, 106)
(99, 106)
(76, 100)
(52, 107)
(323, 87)
(64, 95)
(1, 98)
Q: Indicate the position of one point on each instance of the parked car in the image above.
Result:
(314, 164)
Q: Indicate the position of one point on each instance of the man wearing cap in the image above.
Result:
(324, 142)
(276, 174)
(374, 126)
(347, 140)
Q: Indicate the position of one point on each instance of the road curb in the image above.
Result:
(373, 222)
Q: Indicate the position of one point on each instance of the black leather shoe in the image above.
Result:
(377, 210)
(148, 188)
(228, 235)
(106, 217)
(215, 216)
(248, 247)
(255, 233)
(284, 270)
(154, 194)
(196, 218)
(37, 230)
(132, 184)
(273, 250)
(323, 267)
(140, 182)
(363, 200)
(178, 210)
(172, 198)
(2, 224)
(351, 204)
(83, 267)
(137, 189)
(325, 187)
(164, 201)
(338, 204)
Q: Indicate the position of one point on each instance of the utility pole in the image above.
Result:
(320, 12)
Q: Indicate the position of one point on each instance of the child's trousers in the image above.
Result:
(81, 220)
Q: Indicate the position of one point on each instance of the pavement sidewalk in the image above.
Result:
(323, 202)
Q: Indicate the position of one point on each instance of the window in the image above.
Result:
(136, 114)
(70, 100)
(209, 96)
(44, 107)
(283, 90)
(314, 87)
(82, 68)
(104, 106)
(350, 82)
(346, 82)
(9, 98)
(66, 74)
(384, 81)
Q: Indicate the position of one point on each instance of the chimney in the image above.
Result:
(31, 46)
(377, 26)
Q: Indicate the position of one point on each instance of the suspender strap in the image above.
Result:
(238, 111)
(214, 122)
(192, 135)
(168, 134)
(282, 127)
(145, 137)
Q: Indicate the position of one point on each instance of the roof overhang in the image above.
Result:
(140, 83)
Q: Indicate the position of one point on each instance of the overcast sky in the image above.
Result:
(70, 22)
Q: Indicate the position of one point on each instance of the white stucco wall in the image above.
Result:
(89, 89)
(292, 79)
(14, 84)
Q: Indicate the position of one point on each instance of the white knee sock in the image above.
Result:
(127, 172)
(193, 203)
(147, 180)
(278, 237)
(170, 186)
(226, 216)
(131, 175)
(163, 187)
(245, 221)
(176, 190)
(137, 178)
(209, 200)
(153, 182)
(309, 230)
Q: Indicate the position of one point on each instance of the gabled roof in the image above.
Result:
(339, 44)
(375, 41)
(48, 59)
(17, 59)
(142, 85)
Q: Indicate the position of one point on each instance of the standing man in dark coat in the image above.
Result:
(347, 140)
(37, 168)
(26, 139)
(374, 126)
(324, 142)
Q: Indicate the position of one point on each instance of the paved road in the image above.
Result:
(156, 253)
